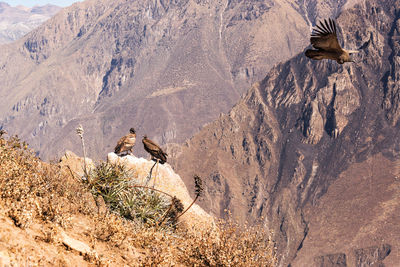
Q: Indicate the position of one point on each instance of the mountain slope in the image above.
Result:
(163, 67)
(312, 148)
(50, 216)
(15, 22)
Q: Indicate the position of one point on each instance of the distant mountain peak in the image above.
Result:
(18, 21)
(45, 10)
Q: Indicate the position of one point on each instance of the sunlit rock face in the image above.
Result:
(165, 179)
(313, 150)
(165, 68)
(162, 178)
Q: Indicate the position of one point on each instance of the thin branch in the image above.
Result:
(187, 207)
(72, 173)
(198, 189)
(165, 215)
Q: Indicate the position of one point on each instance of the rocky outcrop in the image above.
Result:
(162, 178)
(76, 164)
(77, 245)
(329, 110)
(165, 179)
(332, 260)
(371, 256)
(392, 90)
(163, 67)
(311, 148)
(312, 124)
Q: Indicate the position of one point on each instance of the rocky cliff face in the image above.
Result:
(163, 67)
(314, 149)
(15, 22)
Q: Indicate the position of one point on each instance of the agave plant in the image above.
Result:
(122, 195)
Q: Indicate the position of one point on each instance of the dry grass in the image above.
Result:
(229, 244)
(33, 191)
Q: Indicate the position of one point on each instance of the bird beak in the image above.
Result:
(353, 51)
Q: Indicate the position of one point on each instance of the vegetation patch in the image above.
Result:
(139, 225)
(123, 195)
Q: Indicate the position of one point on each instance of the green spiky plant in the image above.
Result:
(132, 201)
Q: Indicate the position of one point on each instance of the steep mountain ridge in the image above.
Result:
(163, 67)
(310, 127)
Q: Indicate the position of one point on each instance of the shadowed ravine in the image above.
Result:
(165, 68)
(313, 149)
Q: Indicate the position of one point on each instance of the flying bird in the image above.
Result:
(126, 143)
(324, 40)
(155, 151)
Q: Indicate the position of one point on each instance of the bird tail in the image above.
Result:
(163, 157)
(121, 153)
(314, 54)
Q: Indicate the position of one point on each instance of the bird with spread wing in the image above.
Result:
(324, 40)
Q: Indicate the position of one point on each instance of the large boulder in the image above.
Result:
(165, 179)
(76, 164)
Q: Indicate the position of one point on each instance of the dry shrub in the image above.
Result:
(31, 189)
(49, 234)
(112, 228)
(228, 244)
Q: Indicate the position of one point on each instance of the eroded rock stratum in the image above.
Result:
(314, 150)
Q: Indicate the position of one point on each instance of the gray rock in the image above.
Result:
(77, 245)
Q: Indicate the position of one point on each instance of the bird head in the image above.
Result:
(132, 131)
(352, 52)
(345, 57)
(144, 136)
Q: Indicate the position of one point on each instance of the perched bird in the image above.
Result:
(324, 40)
(126, 143)
(2, 132)
(154, 150)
